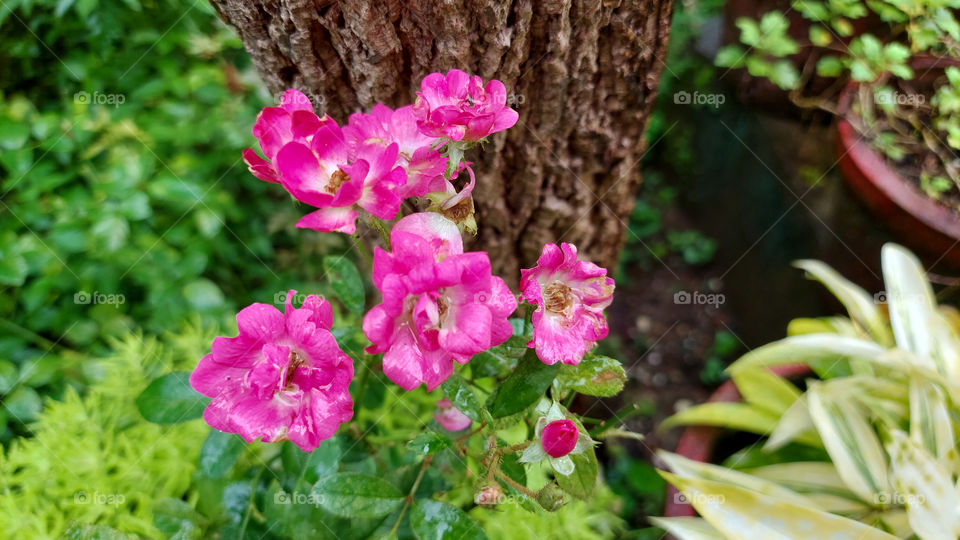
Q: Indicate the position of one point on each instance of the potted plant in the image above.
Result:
(896, 96)
(866, 449)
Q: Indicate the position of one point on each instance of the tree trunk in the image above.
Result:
(582, 74)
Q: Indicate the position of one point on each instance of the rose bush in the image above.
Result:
(482, 370)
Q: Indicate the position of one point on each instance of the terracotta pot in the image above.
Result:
(697, 442)
(919, 221)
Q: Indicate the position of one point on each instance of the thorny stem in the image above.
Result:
(409, 498)
(516, 485)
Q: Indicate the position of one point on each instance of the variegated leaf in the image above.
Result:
(688, 468)
(926, 487)
(917, 324)
(740, 513)
(688, 528)
(762, 388)
(849, 438)
(861, 306)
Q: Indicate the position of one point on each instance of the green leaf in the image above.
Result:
(432, 520)
(24, 404)
(170, 400)
(346, 282)
(459, 393)
(762, 388)
(298, 514)
(13, 135)
(730, 56)
(429, 442)
(13, 268)
(593, 376)
(175, 518)
(523, 387)
(311, 466)
(829, 66)
(83, 531)
(203, 294)
(357, 495)
(219, 452)
(497, 360)
(583, 481)
(739, 416)
(820, 36)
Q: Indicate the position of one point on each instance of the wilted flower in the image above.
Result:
(570, 295)
(283, 377)
(459, 107)
(382, 127)
(450, 417)
(440, 305)
(557, 438)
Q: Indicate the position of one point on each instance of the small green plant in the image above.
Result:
(889, 110)
(867, 450)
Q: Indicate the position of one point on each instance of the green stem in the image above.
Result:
(409, 497)
(362, 250)
(381, 228)
(620, 416)
(250, 508)
(516, 485)
(37, 339)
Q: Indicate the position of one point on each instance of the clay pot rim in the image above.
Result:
(903, 193)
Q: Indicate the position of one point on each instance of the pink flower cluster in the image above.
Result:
(440, 305)
(284, 377)
(379, 158)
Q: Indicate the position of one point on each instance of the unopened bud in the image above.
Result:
(551, 497)
(488, 493)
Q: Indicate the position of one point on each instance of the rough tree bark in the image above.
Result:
(583, 74)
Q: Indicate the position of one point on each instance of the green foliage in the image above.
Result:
(768, 44)
(915, 28)
(885, 426)
(93, 459)
(947, 103)
(124, 197)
